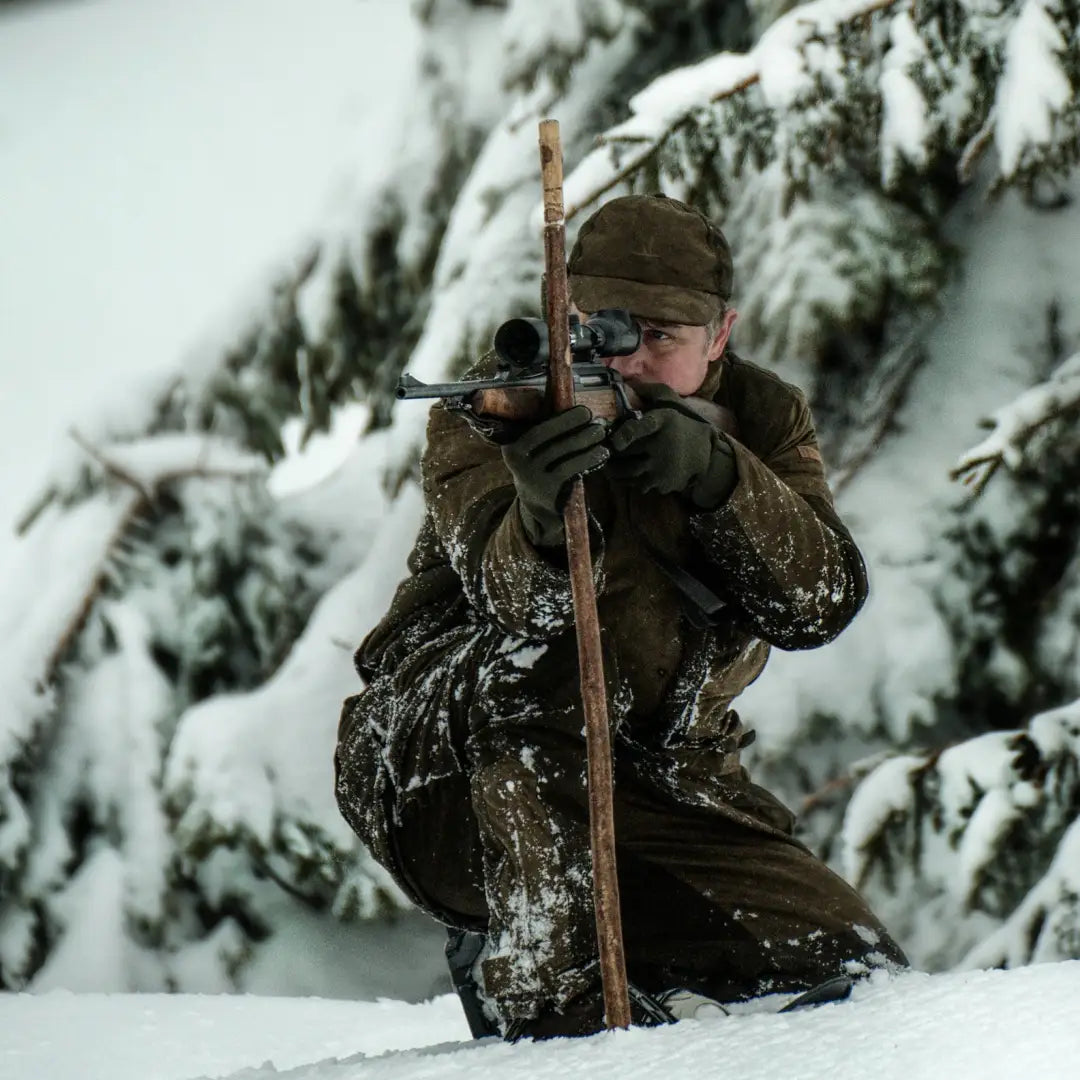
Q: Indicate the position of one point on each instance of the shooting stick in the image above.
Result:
(590, 659)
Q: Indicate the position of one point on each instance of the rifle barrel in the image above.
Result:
(409, 388)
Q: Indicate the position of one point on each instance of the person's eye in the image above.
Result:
(655, 334)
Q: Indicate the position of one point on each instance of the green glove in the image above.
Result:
(545, 461)
(673, 450)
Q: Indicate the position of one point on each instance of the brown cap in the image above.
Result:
(654, 256)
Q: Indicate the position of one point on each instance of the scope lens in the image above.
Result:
(521, 342)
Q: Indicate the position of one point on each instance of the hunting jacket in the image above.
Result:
(784, 566)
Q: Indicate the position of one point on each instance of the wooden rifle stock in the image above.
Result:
(590, 659)
(529, 406)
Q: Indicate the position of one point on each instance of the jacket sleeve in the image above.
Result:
(473, 505)
(782, 553)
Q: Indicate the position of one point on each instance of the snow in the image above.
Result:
(885, 792)
(1014, 423)
(780, 62)
(155, 160)
(297, 85)
(668, 98)
(781, 51)
(905, 124)
(94, 950)
(986, 1025)
(896, 658)
(1033, 87)
(147, 461)
(40, 598)
(66, 1036)
(229, 770)
(159, 164)
(1031, 928)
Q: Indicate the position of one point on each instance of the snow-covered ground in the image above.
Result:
(986, 1025)
(157, 160)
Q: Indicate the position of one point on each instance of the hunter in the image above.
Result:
(462, 765)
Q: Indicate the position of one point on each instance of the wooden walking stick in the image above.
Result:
(590, 659)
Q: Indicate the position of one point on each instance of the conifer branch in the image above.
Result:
(652, 145)
(622, 174)
(143, 497)
(111, 467)
(25, 522)
(894, 376)
(835, 787)
(314, 903)
(976, 146)
(100, 579)
(1014, 425)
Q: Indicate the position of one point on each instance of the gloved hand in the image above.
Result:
(545, 461)
(673, 450)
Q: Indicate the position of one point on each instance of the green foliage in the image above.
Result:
(834, 175)
(1005, 584)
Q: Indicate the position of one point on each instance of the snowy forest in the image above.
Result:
(896, 181)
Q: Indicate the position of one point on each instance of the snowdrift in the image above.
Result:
(982, 1025)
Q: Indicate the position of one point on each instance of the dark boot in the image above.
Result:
(463, 947)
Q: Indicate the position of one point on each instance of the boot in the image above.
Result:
(463, 948)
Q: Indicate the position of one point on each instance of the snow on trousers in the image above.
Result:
(482, 820)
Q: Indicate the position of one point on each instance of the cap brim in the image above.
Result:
(663, 303)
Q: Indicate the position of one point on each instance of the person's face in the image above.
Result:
(673, 354)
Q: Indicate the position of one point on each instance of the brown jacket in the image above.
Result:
(461, 765)
(479, 639)
(775, 552)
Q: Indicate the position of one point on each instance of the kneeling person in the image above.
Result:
(462, 765)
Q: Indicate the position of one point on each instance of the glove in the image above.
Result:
(545, 461)
(673, 450)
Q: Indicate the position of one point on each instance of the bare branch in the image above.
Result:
(975, 147)
(835, 788)
(26, 519)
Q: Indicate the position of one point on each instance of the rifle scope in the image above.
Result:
(522, 344)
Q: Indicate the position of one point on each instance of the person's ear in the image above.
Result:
(719, 342)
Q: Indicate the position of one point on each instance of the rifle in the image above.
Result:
(518, 392)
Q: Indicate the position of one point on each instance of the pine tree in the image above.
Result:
(160, 759)
(839, 154)
(850, 149)
(185, 584)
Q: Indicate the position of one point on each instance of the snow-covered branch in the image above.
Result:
(1033, 89)
(1043, 927)
(776, 63)
(1014, 425)
(972, 830)
(147, 466)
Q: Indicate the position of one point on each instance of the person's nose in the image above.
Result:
(629, 367)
